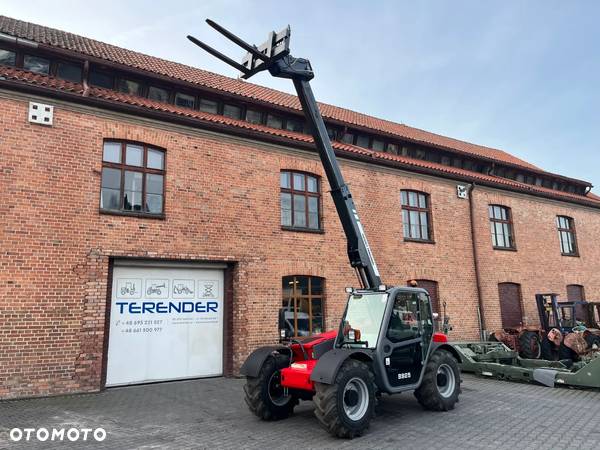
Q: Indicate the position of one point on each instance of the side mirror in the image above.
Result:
(284, 331)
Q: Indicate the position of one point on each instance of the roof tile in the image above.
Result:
(108, 52)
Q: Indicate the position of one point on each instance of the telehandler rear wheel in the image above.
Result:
(345, 408)
(441, 383)
(265, 396)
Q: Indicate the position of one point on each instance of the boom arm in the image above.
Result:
(359, 252)
(274, 56)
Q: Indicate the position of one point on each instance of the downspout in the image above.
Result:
(480, 308)
(86, 73)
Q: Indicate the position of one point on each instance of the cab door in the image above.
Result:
(407, 338)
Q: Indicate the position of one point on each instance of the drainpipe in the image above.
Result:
(86, 73)
(480, 309)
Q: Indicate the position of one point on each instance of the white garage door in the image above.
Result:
(166, 323)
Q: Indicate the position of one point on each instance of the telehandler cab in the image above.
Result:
(385, 342)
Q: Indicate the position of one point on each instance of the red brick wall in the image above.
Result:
(222, 204)
(537, 265)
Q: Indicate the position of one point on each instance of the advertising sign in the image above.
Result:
(165, 324)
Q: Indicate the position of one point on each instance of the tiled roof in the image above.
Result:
(20, 76)
(72, 42)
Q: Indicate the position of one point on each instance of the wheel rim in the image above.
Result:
(446, 380)
(356, 399)
(277, 393)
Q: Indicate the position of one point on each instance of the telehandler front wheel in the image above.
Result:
(345, 408)
(265, 396)
(440, 387)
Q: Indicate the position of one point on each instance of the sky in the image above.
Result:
(519, 76)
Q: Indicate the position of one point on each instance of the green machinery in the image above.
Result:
(496, 360)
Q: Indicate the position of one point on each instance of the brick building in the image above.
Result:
(134, 187)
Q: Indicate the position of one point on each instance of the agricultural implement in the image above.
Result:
(385, 342)
(496, 360)
(563, 316)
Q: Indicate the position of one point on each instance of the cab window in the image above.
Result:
(411, 317)
(404, 321)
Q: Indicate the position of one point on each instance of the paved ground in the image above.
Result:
(211, 413)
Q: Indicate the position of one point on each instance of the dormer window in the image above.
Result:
(232, 111)
(185, 100)
(348, 138)
(69, 71)
(378, 145)
(209, 106)
(362, 141)
(7, 57)
(254, 116)
(274, 121)
(36, 64)
(158, 94)
(101, 79)
(129, 86)
(294, 125)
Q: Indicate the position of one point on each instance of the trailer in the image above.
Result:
(496, 360)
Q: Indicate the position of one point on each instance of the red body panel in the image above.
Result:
(440, 337)
(297, 376)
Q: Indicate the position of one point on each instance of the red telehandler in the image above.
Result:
(385, 342)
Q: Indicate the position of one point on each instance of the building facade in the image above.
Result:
(135, 188)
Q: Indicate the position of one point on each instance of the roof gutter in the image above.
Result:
(17, 41)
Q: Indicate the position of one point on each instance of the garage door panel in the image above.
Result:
(166, 323)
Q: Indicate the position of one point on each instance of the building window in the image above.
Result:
(253, 116)
(7, 57)
(392, 148)
(185, 100)
(416, 216)
(232, 111)
(36, 64)
(332, 133)
(129, 86)
(68, 71)
(300, 201)
(132, 178)
(378, 145)
(101, 79)
(348, 138)
(158, 94)
(294, 125)
(209, 106)
(274, 121)
(501, 227)
(362, 141)
(303, 304)
(566, 235)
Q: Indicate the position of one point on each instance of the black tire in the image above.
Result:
(440, 387)
(353, 390)
(264, 396)
(530, 346)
